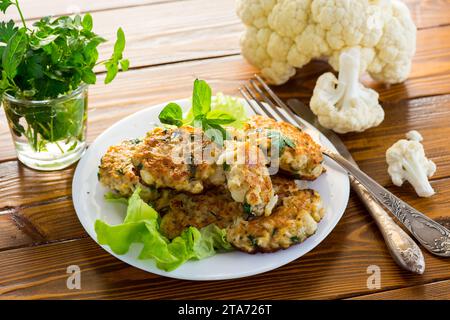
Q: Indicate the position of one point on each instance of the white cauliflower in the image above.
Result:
(407, 161)
(344, 104)
(283, 35)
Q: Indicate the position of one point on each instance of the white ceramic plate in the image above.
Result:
(89, 204)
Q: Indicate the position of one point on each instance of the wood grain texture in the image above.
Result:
(170, 31)
(35, 9)
(323, 273)
(429, 13)
(21, 186)
(436, 291)
(426, 13)
(335, 269)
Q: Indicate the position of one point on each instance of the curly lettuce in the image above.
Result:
(142, 225)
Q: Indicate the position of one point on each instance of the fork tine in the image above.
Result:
(274, 109)
(257, 104)
(280, 103)
(271, 93)
(250, 103)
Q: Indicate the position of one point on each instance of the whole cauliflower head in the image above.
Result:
(407, 162)
(344, 104)
(283, 35)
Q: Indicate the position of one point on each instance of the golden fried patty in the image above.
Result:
(117, 173)
(304, 159)
(198, 210)
(179, 158)
(116, 170)
(293, 220)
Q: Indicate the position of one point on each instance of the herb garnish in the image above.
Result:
(280, 141)
(247, 208)
(210, 121)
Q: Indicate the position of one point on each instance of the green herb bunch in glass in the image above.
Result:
(44, 73)
(53, 58)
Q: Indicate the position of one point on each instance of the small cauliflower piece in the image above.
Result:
(344, 104)
(248, 178)
(407, 161)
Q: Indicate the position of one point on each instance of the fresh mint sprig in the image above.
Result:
(209, 120)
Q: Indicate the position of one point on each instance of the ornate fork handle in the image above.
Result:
(433, 236)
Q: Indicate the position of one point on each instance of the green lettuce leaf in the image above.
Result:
(141, 225)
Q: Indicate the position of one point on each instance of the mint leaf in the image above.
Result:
(4, 5)
(112, 66)
(112, 70)
(219, 117)
(125, 64)
(119, 46)
(14, 52)
(172, 115)
(201, 98)
(87, 22)
(214, 132)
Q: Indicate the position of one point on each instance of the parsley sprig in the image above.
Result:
(55, 57)
(211, 121)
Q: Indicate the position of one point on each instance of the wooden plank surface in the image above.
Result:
(436, 290)
(322, 273)
(426, 13)
(170, 43)
(35, 9)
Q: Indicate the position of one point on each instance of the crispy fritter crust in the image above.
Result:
(305, 160)
(116, 170)
(293, 220)
(184, 210)
(173, 158)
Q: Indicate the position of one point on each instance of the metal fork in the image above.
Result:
(433, 236)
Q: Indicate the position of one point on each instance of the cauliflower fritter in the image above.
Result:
(199, 210)
(179, 158)
(117, 173)
(248, 178)
(304, 160)
(293, 220)
(116, 170)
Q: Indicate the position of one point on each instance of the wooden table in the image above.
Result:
(170, 43)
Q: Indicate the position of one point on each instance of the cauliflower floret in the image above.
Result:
(248, 178)
(407, 161)
(397, 46)
(344, 104)
(302, 30)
